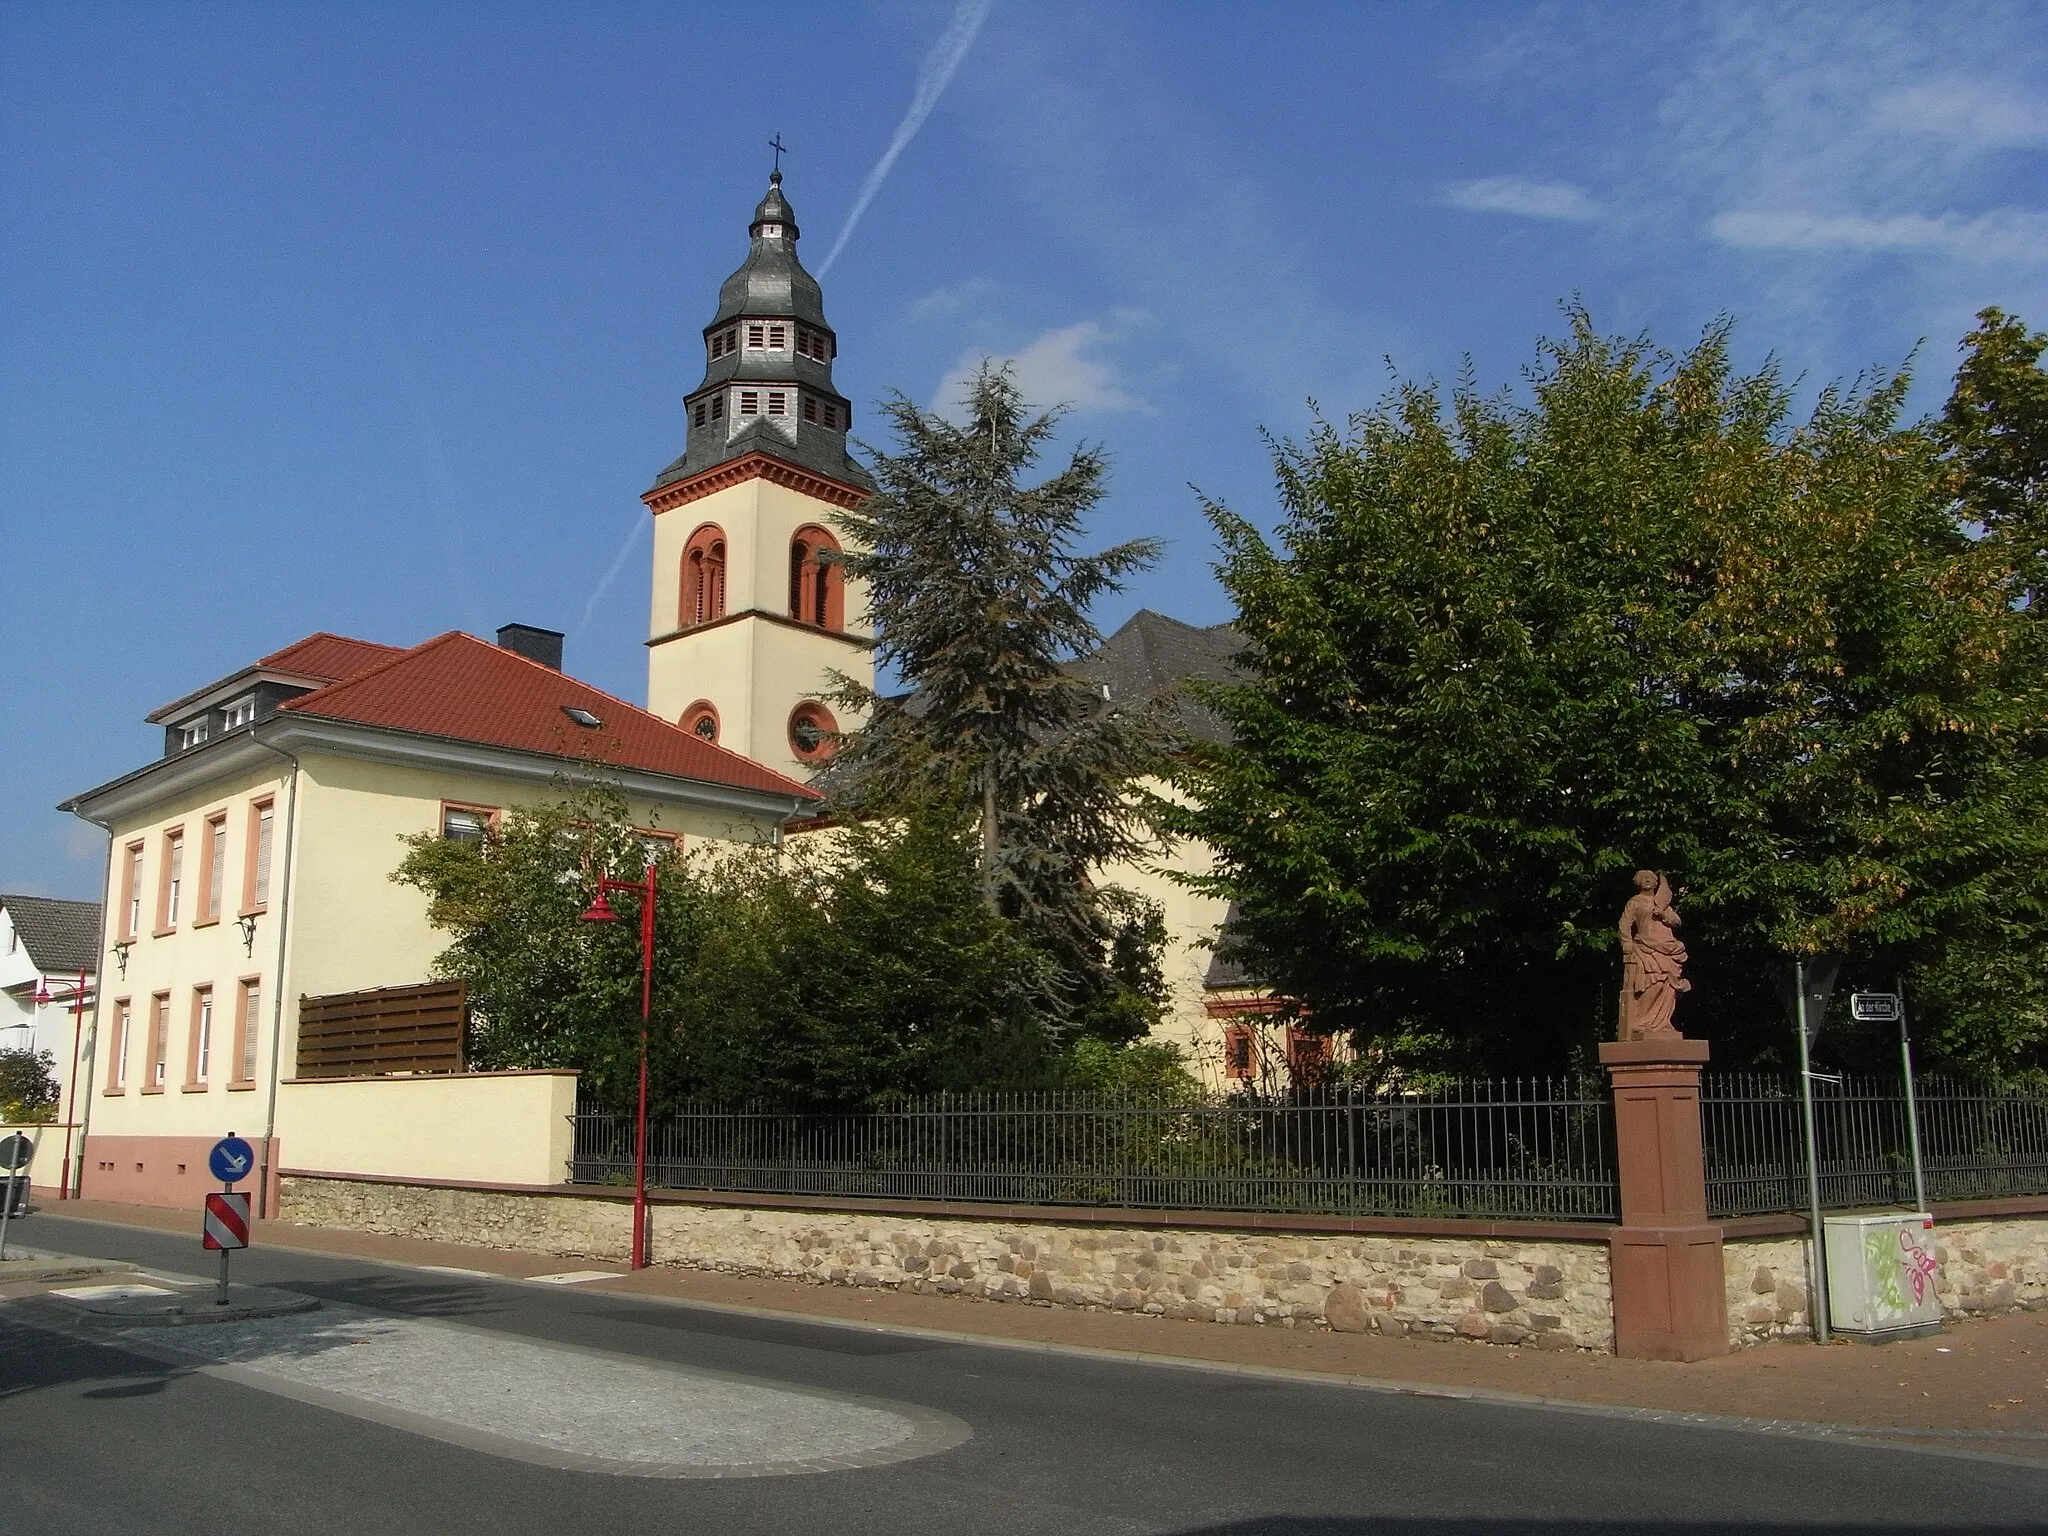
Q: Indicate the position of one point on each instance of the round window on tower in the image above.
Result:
(813, 732)
(701, 721)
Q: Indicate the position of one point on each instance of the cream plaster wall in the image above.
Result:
(194, 954)
(1192, 922)
(497, 1127)
(753, 669)
(46, 1167)
(351, 926)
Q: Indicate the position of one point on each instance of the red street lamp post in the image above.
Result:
(44, 997)
(600, 911)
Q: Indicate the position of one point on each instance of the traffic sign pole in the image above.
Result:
(1817, 1293)
(1912, 1107)
(16, 1153)
(226, 1223)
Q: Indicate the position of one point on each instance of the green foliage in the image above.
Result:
(849, 968)
(1505, 655)
(28, 1087)
(1996, 431)
(980, 604)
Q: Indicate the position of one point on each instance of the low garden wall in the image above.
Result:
(1491, 1281)
(1988, 1264)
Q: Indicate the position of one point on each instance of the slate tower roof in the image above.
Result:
(768, 354)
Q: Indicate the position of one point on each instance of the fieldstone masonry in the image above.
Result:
(1546, 1295)
(1986, 1266)
(1543, 1295)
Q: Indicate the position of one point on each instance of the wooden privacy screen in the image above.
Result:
(383, 1031)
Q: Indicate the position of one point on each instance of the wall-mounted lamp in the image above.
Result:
(248, 927)
(121, 955)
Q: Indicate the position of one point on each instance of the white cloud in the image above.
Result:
(1971, 113)
(1054, 370)
(1517, 195)
(951, 300)
(2004, 234)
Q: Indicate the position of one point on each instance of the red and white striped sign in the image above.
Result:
(227, 1220)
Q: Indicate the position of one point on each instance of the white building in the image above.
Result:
(47, 950)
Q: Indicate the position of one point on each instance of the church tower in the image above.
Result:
(748, 623)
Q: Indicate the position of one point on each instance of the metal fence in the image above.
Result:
(1978, 1141)
(1539, 1148)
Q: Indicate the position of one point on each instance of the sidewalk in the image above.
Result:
(1983, 1384)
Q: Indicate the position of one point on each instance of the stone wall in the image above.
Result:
(1991, 1265)
(1548, 1294)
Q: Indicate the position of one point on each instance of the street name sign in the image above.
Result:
(1875, 1007)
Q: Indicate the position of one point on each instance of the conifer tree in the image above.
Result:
(980, 602)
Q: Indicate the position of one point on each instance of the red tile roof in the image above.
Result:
(329, 657)
(465, 689)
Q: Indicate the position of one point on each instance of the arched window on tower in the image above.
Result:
(817, 581)
(704, 576)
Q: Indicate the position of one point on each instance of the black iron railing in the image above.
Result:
(1978, 1141)
(1480, 1149)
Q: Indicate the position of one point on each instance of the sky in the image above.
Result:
(376, 318)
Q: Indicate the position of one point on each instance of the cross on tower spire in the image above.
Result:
(780, 149)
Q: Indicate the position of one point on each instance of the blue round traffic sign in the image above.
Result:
(232, 1159)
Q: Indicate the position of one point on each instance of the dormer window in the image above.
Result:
(191, 734)
(238, 714)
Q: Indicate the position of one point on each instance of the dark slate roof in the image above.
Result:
(770, 284)
(1152, 654)
(1225, 973)
(58, 935)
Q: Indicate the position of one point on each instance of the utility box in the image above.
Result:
(1882, 1276)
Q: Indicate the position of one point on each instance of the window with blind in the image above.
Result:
(171, 893)
(159, 1042)
(131, 893)
(262, 822)
(248, 1016)
(213, 865)
(117, 1048)
(199, 1060)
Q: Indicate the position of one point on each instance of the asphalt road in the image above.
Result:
(95, 1438)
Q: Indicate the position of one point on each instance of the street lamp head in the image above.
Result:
(599, 911)
(43, 998)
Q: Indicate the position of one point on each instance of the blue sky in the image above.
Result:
(375, 317)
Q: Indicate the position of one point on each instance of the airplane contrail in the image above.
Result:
(618, 563)
(932, 80)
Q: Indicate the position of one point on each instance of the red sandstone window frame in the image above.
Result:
(156, 1065)
(701, 598)
(117, 1047)
(817, 587)
(131, 891)
(259, 856)
(170, 881)
(1240, 1052)
(814, 715)
(213, 848)
(696, 715)
(1308, 1056)
(200, 1026)
(248, 1036)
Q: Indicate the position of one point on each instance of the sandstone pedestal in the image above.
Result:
(1665, 1260)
